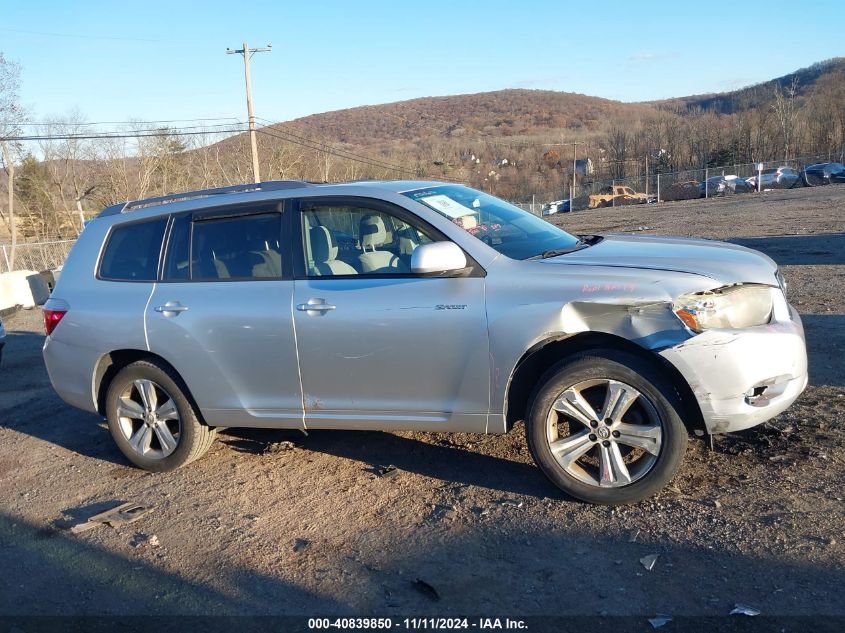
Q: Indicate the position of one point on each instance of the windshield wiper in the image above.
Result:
(554, 252)
(583, 242)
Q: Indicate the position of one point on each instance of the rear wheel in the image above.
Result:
(604, 427)
(151, 419)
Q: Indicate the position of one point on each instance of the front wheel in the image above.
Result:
(152, 420)
(604, 427)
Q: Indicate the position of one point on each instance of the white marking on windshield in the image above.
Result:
(448, 207)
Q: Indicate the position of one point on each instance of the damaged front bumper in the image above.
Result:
(742, 378)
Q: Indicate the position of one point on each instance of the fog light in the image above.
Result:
(755, 396)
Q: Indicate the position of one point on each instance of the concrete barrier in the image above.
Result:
(26, 288)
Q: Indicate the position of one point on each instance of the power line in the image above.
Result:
(137, 134)
(355, 156)
(154, 131)
(82, 36)
(330, 148)
(335, 152)
(284, 135)
(91, 123)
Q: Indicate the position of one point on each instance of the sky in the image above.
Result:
(154, 60)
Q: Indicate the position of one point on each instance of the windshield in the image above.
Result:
(510, 230)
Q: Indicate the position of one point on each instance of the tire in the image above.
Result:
(158, 443)
(651, 419)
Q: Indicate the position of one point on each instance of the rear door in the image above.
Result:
(126, 277)
(221, 315)
(381, 347)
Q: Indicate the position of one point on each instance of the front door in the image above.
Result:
(381, 347)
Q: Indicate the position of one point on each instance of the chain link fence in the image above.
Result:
(35, 256)
(668, 187)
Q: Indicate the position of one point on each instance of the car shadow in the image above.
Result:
(456, 458)
(28, 403)
(71, 577)
(491, 568)
(797, 250)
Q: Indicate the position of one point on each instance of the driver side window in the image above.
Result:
(347, 240)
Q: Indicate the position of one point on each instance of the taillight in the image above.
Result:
(51, 319)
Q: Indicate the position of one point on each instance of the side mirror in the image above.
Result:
(437, 257)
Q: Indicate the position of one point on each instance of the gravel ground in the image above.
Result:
(254, 528)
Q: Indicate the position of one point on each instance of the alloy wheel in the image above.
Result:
(604, 433)
(149, 419)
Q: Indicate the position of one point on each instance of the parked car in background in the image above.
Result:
(447, 309)
(686, 190)
(823, 174)
(776, 178)
(723, 185)
(2, 339)
(558, 206)
(613, 195)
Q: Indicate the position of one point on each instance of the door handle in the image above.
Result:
(171, 308)
(315, 305)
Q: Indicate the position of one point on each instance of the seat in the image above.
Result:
(270, 264)
(324, 252)
(374, 235)
(221, 271)
(243, 265)
(408, 239)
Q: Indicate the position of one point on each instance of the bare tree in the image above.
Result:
(618, 143)
(829, 112)
(11, 116)
(69, 182)
(9, 168)
(786, 111)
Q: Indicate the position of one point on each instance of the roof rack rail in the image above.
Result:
(269, 185)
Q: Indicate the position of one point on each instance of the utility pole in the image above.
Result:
(247, 52)
(574, 167)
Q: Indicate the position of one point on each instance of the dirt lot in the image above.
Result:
(313, 530)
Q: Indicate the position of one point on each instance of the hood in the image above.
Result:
(723, 262)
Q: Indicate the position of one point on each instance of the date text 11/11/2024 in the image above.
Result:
(417, 623)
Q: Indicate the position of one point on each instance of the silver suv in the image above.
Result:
(416, 305)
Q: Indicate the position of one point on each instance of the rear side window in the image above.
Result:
(241, 247)
(178, 256)
(133, 251)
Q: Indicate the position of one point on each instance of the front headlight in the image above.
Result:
(734, 307)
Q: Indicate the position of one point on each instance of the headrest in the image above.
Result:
(322, 246)
(373, 232)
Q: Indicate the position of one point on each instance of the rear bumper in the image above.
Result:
(70, 369)
(742, 378)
